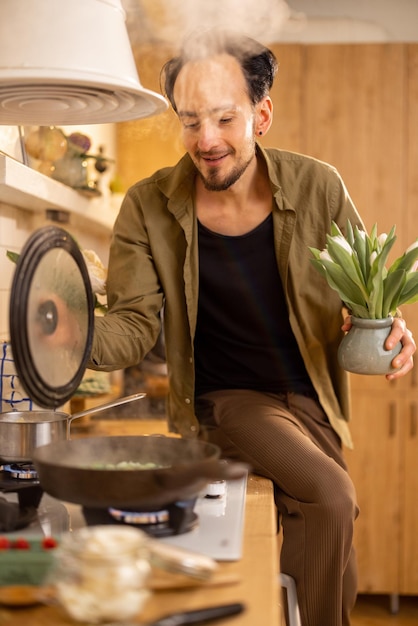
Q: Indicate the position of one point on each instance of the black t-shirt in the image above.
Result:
(243, 337)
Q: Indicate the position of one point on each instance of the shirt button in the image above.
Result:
(187, 400)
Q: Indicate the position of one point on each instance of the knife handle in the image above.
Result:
(201, 616)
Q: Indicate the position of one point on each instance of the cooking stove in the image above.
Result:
(216, 530)
(21, 478)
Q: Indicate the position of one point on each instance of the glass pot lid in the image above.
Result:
(51, 316)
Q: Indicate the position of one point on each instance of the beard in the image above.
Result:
(214, 183)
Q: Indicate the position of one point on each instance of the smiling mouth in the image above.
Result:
(213, 159)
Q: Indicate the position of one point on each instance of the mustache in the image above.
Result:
(212, 154)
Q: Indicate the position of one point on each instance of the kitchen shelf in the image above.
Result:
(24, 187)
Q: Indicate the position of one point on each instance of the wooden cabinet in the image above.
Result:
(374, 467)
(384, 468)
(409, 500)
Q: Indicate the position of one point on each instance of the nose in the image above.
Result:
(208, 136)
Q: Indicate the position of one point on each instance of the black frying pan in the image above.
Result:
(73, 470)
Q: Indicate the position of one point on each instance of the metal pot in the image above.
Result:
(23, 431)
(83, 470)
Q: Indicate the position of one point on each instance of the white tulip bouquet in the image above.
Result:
(355, 266)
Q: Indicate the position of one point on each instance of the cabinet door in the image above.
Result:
(355, 98)
(411, 142)
(409, 492)
(374, 468)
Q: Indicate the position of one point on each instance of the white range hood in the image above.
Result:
(65, 62)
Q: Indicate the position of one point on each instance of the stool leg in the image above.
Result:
(288, 583)
(394, 603)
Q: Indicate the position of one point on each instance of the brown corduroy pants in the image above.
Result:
(288, 438)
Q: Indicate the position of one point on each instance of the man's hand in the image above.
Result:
(404, 361)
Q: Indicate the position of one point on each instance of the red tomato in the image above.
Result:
(4, 543)
(21, 544)
(48, 543)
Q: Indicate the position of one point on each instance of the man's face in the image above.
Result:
(217, 118)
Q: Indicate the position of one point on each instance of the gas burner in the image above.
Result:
(21, 471)
(140, 518)
(174, 519)
(22, 479)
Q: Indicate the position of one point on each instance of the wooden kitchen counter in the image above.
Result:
(256, 573)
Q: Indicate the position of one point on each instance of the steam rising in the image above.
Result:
(169, 21)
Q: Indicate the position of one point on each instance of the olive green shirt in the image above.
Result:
(154, 264)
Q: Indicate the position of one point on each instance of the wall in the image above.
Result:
(338, 21)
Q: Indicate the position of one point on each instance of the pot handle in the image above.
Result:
(108, 405)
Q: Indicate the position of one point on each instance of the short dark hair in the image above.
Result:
(258, 63)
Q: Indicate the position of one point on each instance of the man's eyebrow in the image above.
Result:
(187, 114)
(221, 109)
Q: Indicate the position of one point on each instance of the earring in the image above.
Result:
(260, 132)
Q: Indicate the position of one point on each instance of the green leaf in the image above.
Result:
(376, 296)
(373, 236)
(409, 293)
(347, 261)
(13, 256)
(360, 247)
(378, 266)
(393, 286)
(318, 265)
(315, 252)
(348, 291)
(335, 230)
(350, 234)
(406, 261)
(359, 311)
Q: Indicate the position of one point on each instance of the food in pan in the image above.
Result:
(126, 465)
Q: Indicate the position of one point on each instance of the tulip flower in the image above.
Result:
(355, 266)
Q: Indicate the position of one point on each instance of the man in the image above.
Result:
(221, 241)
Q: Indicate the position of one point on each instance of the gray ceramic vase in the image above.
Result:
(362, 350)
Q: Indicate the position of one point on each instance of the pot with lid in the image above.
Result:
(51, 328)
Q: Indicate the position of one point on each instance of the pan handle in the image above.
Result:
(210, 471)
(108, 405)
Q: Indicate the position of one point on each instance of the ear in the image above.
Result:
(263, 116)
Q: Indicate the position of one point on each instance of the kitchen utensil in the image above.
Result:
(84, 471)
(51, 316)
(23, 431)
(198, 616)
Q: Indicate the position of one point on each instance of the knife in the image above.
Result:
(199, 616)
